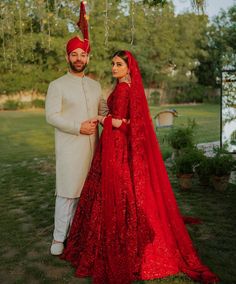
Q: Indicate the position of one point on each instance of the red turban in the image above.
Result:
(76, 42)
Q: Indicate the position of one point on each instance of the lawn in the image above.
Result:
(27, 182)
(207, 119)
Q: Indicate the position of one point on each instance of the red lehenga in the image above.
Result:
(127, 225)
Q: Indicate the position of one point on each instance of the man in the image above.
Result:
(72, 103)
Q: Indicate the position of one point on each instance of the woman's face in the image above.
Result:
(119, 67)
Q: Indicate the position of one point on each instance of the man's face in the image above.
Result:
(78, 60)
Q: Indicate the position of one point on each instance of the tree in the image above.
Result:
(220, 48)
(34, 33)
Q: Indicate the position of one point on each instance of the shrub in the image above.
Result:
(154, 98)
(187, 161)
(25, 105)
(186, 93)
(222, 163)
(37, 103)
(204, 169)
(11, 105)
(181, 137)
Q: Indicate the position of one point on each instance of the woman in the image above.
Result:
(127, 225)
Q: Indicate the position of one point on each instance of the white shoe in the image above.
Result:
(57, 248)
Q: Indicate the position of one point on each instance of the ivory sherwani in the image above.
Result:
(70, 101)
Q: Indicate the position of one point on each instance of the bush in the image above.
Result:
(154, 98)
(187, 94)
(212, 95)
(37, 103)
(24, 105)
(15, 105)
(30, 77)
(11, 105)
(181, 137)
(222, 163)
(204, 169)
(187, 161)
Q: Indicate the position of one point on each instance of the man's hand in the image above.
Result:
(88, 127)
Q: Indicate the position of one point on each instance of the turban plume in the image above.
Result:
(76, 42)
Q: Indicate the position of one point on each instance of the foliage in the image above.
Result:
(34, 34)
(37, 103)
(187, 160)
(204, 169)
(182, 137)
(16, 105)
(25, 105)
(154, 98)
(222, 163)
(11, 105)
(220, 48)
(155, 2)
(187, 93)
(207, 117)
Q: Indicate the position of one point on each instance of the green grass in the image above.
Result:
(24, 135)
(206, 116)
(27, 182)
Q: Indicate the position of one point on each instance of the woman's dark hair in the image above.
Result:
(122, 55)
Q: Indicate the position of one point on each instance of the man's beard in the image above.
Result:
(77, 69)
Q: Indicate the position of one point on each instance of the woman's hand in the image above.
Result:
(100, 119)
(116, 122)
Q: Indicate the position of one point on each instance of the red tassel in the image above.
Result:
(83, 23)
